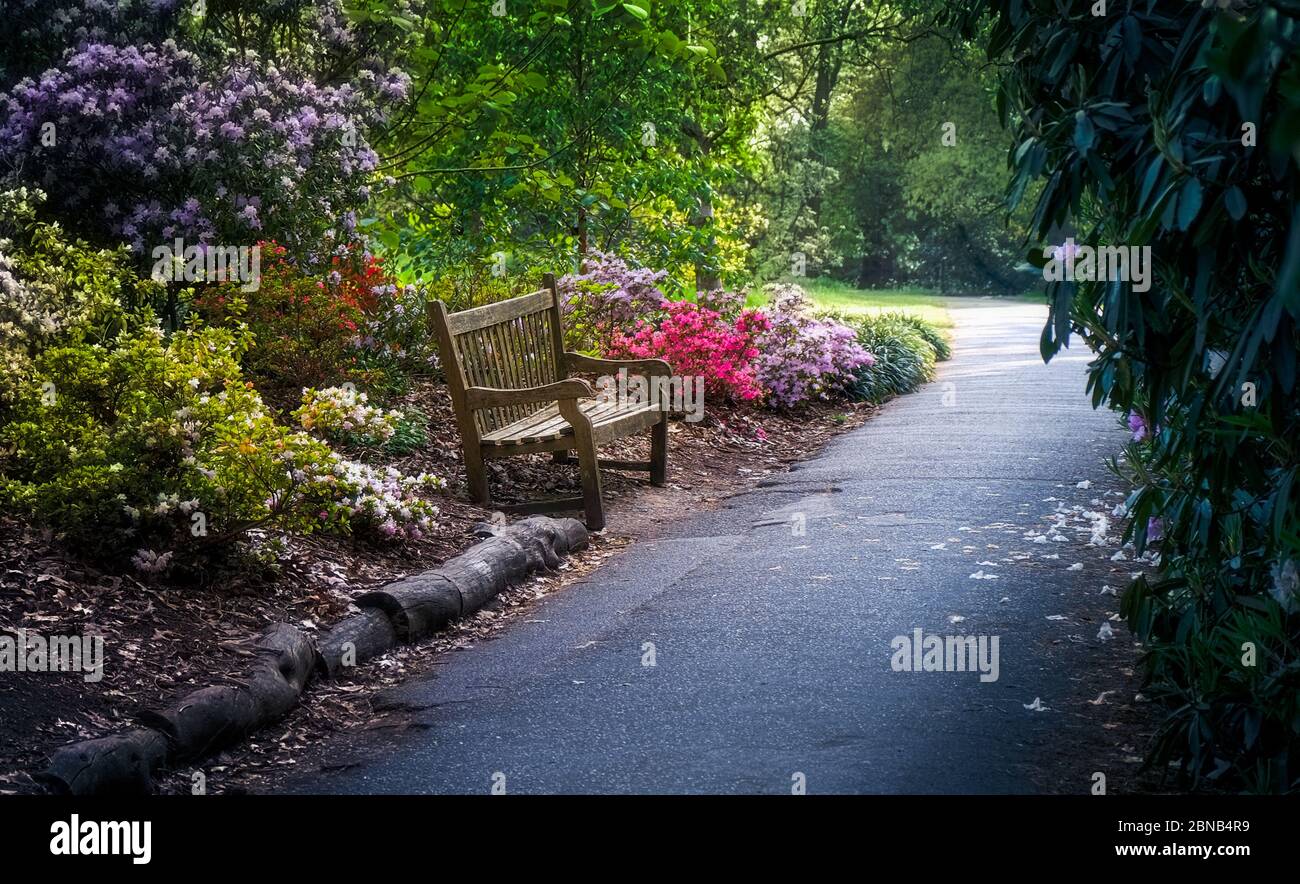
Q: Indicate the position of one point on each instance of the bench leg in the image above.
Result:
(561, 457)
(591, 502)
(588, 463)
(659, 453)
(476, 476)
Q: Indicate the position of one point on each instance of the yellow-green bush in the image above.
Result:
(138, 444)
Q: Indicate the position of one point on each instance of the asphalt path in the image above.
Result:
(755, 648)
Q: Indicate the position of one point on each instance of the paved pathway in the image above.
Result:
(772, 649)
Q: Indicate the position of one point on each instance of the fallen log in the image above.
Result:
(562, 535)
(285, 659)
(355, 639)
(417, 606)
(536, 543)
(480, 577)
(212, 718)
(120, 764)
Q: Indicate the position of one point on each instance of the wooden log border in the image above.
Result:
(287, 659)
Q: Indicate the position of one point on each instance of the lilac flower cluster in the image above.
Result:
(802, 357)
(149, 145)
(611, 288)
(44, 29)
(608, 297)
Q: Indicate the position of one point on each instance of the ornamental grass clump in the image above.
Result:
(903, 358)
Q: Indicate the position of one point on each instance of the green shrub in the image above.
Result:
(157, 448)
(344, 414)
(162, 447)
(410, 434)
(345, 321)
(904, 356)
(53, 288)
(1172, 127)
(303, 326)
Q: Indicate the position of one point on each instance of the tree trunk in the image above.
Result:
(706, 274)
(829, 62)
(706, 277)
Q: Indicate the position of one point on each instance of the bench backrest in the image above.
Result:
(509, 345)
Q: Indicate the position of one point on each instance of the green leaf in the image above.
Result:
(1189, 203)
(1212, 90)
(1150, 179)
(1235, 202)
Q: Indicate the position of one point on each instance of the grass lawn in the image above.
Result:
(829, 294)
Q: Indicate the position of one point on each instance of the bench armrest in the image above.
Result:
(648, 367)
(490, 397)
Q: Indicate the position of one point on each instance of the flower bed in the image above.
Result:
(781, 355)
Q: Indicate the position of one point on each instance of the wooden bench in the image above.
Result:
(512, 391)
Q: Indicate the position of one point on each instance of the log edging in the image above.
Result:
(285, 661)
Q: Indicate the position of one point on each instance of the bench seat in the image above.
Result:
(609, 421)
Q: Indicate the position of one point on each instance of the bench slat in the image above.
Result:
(547, 423)
(500, 311)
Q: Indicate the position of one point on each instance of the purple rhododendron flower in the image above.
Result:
(1138, 426)
(196, 130)
(802, 357)
(1155, 529)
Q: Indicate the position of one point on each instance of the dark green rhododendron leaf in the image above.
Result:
(1235, 202)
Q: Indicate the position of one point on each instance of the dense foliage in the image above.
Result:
(127, 440)
(716, 142)
(314, 325)
(1174, 126)
(362, 157)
